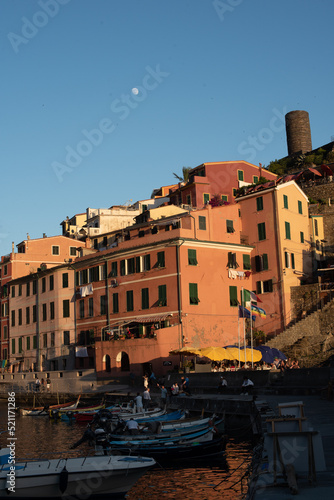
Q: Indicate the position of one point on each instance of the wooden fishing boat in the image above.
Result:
(45, 410)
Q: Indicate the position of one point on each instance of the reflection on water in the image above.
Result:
(199, 480)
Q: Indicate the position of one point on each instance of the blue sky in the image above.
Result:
(214, 78)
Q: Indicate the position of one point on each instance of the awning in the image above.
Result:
(153, 319)
(314, 171)
(326, 169)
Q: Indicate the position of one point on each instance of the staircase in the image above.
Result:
(316, 325)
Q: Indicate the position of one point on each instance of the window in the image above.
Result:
(285, 201)
(188, 199)
(13, 291)
(145, 298)
(300, 207)
(105, 241)
(192, 259)
(143, 208)
(147, 262)
(193, 293)
(66, 308)
(301, 237)
(114, 269)
(224, 197)
(122, 267)
(229, 226)
(13, 318)
(293, 261)
(259, 287)
(267, 286)
(233, 296)
(13, 346)
(129, 300)
(34, 314)
(202, 222)
(259, 203)
(65, 280)
(287, 259)
(232, 260)
(261, 263)
(138, 264)
(20, 344)
(103, 305)
(5, 269)
(90, 306)
(28, 290)
(206, 198)
(43, 312)
(115, 306)
(43, 284)
(162, 294)
(34, 287)
(161, 259)
(20, 290)
(261, 229)
(240, 175)
(131, 265)
(55, 250)
(287, 231)
(255, 179)
(246, 262)
(5, 332)
(52, 340)
(81, 308)
(45, 339)
(73, 251)
(20, 317)
(34, 342)
(52, 310)
(316, 227)
(66, 337)
(234, 191)
(51, 282)
(27, 315)
(28, 343)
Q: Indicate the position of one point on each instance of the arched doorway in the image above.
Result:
(123, 362)
(106, 361)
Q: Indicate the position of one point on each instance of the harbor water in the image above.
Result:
(200, 479)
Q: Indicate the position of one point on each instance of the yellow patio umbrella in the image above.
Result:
(215, 353)
(245, 354)
(186, 351)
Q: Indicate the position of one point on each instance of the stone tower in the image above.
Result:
(298, 132)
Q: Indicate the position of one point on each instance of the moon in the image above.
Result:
(135, 91)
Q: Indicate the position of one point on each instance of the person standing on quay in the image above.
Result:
(146, 398)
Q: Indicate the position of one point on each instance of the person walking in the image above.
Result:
(163, 395)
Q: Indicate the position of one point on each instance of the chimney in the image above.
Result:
(298, 132)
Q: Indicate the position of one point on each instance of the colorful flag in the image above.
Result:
(248, 296)
(244, 313)
(258, 311)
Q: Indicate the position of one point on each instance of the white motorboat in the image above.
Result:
(43, 411)
(70, 477)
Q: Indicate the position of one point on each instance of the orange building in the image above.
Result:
(275, 223)
(32, 255)
(165, 284)
(217, 179)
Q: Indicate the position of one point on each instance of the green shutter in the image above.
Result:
(293, 261)
(233, 296)
(287, 231)
(301, 237)
(246, 262)
(193, 293)
(261, 228)
(285, 201)
(162, 292)
(192, 259)
(202, 222)
(224, 197)
(147, 262)
(206, 198)
(137, 264)
(129, 300)
(145, 298)
(229, 226)
(161, 259)
(114, 269)
(240, 175)
(265, 266)
(115, 303)
(259, 203)
(300, 207)
(255, 179)
(122, 264)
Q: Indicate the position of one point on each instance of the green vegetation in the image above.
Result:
(282, 166)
